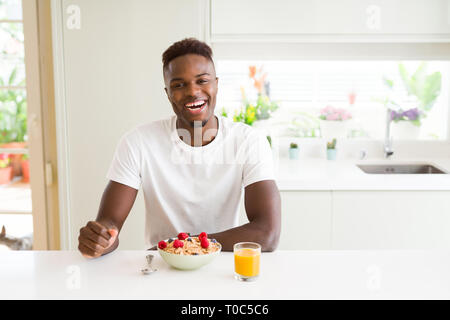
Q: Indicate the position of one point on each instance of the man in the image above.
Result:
(192, 168)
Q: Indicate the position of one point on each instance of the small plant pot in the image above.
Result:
(16, 159)
(331, 154)
(293, 153)
(6, 175)
(25, 170)
(405, 130)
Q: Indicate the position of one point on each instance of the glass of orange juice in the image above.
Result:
(247, 256)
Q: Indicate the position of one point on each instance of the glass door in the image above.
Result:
(16, 221)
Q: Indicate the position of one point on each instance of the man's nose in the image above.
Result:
(192, 90)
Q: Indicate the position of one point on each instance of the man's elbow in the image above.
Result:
(271, 240)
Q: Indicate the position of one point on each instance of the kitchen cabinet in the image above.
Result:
(354, 220)
(330, 20)
(305, 220)
(391, 220)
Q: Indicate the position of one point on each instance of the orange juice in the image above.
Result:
(246, 262)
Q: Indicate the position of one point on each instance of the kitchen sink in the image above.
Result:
(422, 168)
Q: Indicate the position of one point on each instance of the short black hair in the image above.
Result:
(186, 46)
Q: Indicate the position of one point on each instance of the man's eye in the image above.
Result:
(203, 81)
(177, 85)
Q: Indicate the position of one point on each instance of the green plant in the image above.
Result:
(250, 112)
(293, 145)
(224, 113)
(13, 111)
(263, 108)
(269, 138)
(246, 115)
(4, 160)
(424, 87)
(303, 125)
(331, 144)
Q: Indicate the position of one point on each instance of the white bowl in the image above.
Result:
(188, 262)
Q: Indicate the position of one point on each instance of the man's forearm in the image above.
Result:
(253, 232)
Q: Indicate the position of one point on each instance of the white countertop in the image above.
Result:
(322, 175)
(284, 275)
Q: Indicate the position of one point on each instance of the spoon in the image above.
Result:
(148, 269)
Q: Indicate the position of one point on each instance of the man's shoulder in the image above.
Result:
(155, 125)
(148, 129)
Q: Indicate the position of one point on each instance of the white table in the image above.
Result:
(284, 275)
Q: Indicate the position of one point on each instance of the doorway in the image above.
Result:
(28, 191)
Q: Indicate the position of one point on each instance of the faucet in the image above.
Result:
(388, 150)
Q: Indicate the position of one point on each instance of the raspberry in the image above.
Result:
(204, 242)
(203, 234)
(183, 236)
(178, 244)
(162, 244)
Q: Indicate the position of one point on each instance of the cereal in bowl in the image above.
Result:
(187, 245)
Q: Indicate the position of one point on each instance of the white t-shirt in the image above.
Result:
(190, 189)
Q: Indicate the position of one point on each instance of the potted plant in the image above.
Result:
(293, 151)
(264, 106)
(331, 150)
(406, 124)
(25, 168)
(5, 169)
(424, 89)
(333, 122)
(255, 112)
(13, 120)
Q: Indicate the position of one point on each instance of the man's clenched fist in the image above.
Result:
(96, 239)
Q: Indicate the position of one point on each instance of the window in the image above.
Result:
(303, 88)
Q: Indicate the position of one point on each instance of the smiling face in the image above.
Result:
(191, 86)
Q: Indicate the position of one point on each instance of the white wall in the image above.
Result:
(110, 72)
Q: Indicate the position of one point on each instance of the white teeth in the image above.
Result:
(195, 104)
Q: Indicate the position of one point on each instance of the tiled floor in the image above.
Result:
(15, 197)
